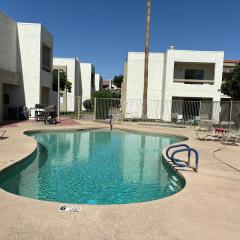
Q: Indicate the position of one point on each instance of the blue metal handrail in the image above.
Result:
(175, 146)
(182, 163)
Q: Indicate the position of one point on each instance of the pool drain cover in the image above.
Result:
(69, 209)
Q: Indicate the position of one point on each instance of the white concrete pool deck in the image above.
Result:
(207, 208)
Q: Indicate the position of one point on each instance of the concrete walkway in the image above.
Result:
(207, 208)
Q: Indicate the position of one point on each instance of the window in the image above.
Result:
(46, 58)
(92, 80)
(6, 99)
(194, 74)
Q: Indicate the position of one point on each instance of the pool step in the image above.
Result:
(174, 185)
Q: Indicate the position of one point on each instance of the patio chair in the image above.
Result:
(177, 118)
(194, 121)
(2, 133)
(230, 137)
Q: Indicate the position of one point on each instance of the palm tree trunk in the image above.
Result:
(145, 89)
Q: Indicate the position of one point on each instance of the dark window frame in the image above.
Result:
(194, 74)
(46, 58)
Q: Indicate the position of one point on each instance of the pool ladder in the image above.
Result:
(183, 148)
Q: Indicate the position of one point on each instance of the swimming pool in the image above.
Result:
(95, 167)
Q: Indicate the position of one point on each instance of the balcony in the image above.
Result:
(194, 73)
(193, 81)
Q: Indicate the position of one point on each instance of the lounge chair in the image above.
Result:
(205, 130)
(230, 137)
(206, 135)
(2, 133)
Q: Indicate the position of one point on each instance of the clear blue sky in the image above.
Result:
(103, 31)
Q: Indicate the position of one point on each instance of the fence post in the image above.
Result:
(230, 118)
(95, 108)
(200, 108)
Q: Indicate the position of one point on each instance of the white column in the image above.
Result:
(167, 110)
(216, 109)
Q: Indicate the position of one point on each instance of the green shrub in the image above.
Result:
(89, 105)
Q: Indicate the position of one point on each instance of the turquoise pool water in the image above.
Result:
(95, 167)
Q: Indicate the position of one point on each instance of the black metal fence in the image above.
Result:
(175, 111)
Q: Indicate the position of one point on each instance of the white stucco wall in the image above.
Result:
(135, 83)
(8, 43)
(29, 42)
(31, 38)
(8, 52)
(87, 69)
(98, 82)
(73, 75)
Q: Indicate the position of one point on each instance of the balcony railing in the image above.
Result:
(194, 81)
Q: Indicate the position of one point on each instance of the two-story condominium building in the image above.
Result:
(175, 76)
(71, 66)
(25, 66)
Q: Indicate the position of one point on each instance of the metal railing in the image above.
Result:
(176, 111)
(182, 163)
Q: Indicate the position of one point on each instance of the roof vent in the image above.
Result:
(172, 47)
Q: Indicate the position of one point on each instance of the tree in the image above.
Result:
(117, 80)
(145, 89)
(231, 87)
(64, 83)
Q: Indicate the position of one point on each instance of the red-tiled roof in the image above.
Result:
(231, 61)
(106, 82)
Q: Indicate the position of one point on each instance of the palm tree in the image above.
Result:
(145, 89)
